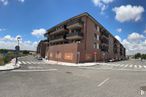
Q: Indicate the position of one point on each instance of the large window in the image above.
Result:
(96, 37)
(96, 45)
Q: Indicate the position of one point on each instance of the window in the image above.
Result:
(97, 37)
(94, 46)
(97, 28)
(97, 46)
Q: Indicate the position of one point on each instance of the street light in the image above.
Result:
(18, 39)
(17, 49)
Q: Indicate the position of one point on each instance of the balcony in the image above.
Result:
(75, 24)
(59, 31)
(104, 47)
(103, 39)
(104, 33)
(74, 36)
(57, 39)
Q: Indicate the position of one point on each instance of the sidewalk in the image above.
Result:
(10, 66)
(70, 64)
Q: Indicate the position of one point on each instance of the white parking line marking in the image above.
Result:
(135, 66)
(126, 65)
(28, 63)
(130, 65)
(103, 82)
(140, 66)
(144, 66)
(23, 62)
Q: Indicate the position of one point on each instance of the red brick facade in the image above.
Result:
(81, 39)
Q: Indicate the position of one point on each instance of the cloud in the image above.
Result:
(9, 42)
(21, 1)
(128, 13)
(119, 30)
(135, 37)
(145, 31)
(5, 2)
(38, 32)
(2, 29)
(103, 4)
(118, 37)
(134, 43)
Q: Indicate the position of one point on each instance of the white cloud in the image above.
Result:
(128, 13)
(103, 4)
(145, 31)
(21, 1)
(118, 38)
(8, 37)
(134, 43)
(38, 32)
(2, 29)
(135, 37)
(119, 30)
(9, 42)
(5, 2)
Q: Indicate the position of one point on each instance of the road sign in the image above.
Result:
(17, 48)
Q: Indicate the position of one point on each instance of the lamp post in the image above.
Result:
(17, 48)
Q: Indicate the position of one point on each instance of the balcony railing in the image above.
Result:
(104, 33)
(103, 39)
(104, 47)
(74, 35)
(75, 24)
(59, 31)
(56, 39)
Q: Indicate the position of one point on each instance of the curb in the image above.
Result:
(10, 66)
(69, 64)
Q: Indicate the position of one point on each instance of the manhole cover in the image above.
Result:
(142, 90)
(68, 72)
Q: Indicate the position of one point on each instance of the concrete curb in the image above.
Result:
(69, 64)
(10, 66)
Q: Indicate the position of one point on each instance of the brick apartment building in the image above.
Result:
(80, 39)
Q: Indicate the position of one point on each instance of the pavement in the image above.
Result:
(37, 78)
(10, 66)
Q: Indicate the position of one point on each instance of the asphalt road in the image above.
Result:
(38, 79)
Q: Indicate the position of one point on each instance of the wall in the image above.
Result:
(63, 52)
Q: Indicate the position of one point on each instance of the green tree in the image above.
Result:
(25, 52)
(143, 56)
(3, 51)
(138, 55)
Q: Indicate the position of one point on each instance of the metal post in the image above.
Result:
(78, 57)
(95, 58)
(17, 50)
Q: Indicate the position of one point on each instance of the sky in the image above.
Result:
(29, 19)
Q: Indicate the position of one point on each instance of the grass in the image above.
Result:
(1, 61)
